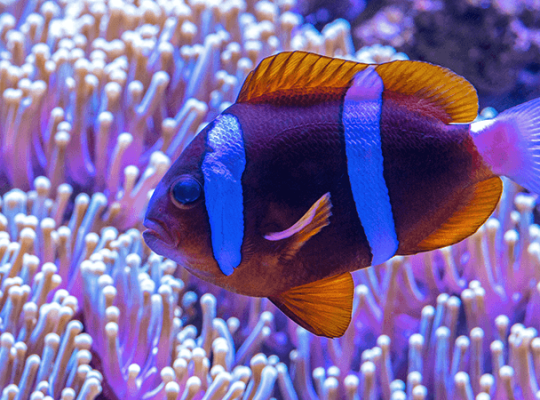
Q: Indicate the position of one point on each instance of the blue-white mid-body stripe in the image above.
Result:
(361, 120)
(222, 169)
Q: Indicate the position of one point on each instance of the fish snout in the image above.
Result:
(157, 232)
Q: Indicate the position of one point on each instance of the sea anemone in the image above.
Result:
(102, 95)
(138, 318)
(378, 54)
(97, 99)
(134, 330)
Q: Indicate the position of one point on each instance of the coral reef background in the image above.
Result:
(99, 96)
(495, 44)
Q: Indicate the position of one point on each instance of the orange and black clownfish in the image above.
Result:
(324, 166)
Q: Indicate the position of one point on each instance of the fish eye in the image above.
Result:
(186, 191)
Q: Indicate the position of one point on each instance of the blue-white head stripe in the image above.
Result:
(361, 120)
(222, 169)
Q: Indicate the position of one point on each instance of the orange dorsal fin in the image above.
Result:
(311, 223)
(484, 197)
(453, 97)
(323, 307)
(297, 70)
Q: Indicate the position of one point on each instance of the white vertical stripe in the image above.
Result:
(361, 120)
(222, 169)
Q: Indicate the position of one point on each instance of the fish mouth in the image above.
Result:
(157, 231)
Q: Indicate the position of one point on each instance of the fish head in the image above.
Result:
(176, 218)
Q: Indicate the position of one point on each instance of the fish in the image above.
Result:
(324, 166)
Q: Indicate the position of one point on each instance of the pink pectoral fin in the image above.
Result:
(311, 223)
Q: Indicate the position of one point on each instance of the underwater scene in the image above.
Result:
(339, 199)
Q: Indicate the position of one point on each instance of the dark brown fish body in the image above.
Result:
(427, 167)
(284, 176)
(303, 181)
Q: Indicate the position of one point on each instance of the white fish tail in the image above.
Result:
(510, 143)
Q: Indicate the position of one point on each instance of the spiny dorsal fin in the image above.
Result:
(297, 70)
(450, 93)
(323, 307)
(311, 223)
(484, 197)
(441, 87)
(453, 96)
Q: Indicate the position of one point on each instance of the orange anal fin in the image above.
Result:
(451, 95)
(311, 223)
(465, 221)
(323, 307)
